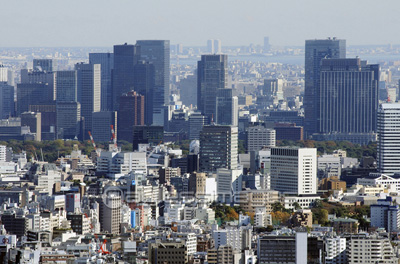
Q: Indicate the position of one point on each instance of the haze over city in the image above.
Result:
(49, 23)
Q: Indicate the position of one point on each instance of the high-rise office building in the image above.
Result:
(41, 77)
(6, 100)
(210, 46)
(131, 113)
(110, 214)
(267, 46)
(48, 118)
(214, 46)
(89, 91)
(348, 99)
(144, 77)
(66, 86)
(34, 122)
(212, 74)
(3, 73)
(44, 65)
(31, 93)
(157, 52)
(153, 135)
(106, 60)
(68, 119)
(388, 128)
(229, 183)
(273, 88)
(316, 50)
(227, 108)
(259, 137)
(125, 58)
(218, 148)
(294, 170)
(101, 126)
(6, 75)
(196, 124)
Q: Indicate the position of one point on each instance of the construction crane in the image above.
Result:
(103, 248)
(94, 144)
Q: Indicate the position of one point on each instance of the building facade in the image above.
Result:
(218, 148)
(294, 170)
(315, 51)
(259, 137)
(212, 74)
(388, 129)
(106, 60)
(348, 98)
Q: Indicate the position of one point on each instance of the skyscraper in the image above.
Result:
(273, 88)
(6, 75)
(101, 126)
(196, 124)
(227, 108)
(218, 148)
(388, 128)
(212, 74)
(6, 100)
(294, 170)
(131, 113)
(125, 58)
(267, 46)
(316, 50)
(48, 118)
(34, 121)
(348, 99)
(30, 94)
(89, 91)
(214, 46)
(106, 60)
(41, 77)
(144, 85)
(68, 119)
(67, 86)
(157, 52)
(210, 46)
(45, 65)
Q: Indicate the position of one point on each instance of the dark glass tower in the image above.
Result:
(212, 74)
(106, 60)
(43, 65)
(125, 58)
(130, 113)
(316, 50)
(157, 52)
(348, 98)
(144, 85)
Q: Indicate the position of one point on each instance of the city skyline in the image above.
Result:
(104, 23)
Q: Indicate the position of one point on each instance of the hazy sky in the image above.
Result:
(53, 23)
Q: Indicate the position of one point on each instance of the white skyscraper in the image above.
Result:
(210, 46)
(3, 74)
(214, 46)
(294, 170)
(217, 46)
(388, 128)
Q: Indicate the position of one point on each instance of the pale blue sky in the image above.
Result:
(191, 22)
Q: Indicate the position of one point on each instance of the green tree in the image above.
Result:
(296, 206)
